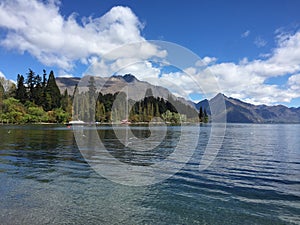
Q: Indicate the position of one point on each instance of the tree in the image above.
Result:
(38, 92)
(35, 113)
(31, 82)
(66, 102)
(35, 88)
(100, 112)
(92, 100)
(44, 83)
(13, 111)
(201, 117)
(149, 92)
(171, 117)
(58, 115)
(75, 100)
(205, 117)
(21, 92)
(53, 95)
(1, 96)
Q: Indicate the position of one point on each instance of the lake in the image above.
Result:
(254, 178)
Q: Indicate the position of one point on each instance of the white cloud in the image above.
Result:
(127, 59)
(62, 73)
(143, 70)
(288, 52)
(245, 34)
(294, 83)
(260, 42)
(56, 40)
(205, 61)
(41, 30)
(246, 79)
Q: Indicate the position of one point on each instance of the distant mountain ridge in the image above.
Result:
(136, 88)
(238, 111)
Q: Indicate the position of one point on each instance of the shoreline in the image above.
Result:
(136, 124)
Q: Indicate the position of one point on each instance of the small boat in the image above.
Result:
(75, 122)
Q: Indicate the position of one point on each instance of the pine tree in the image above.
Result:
(149, 92)
(205, 116)
(1, 96)
(92, 96)
(66, 102)
(30, 82)
(35, 88)
(44, 83)
(21, 93)
(75, 100)
(157, 114)
(100, 112)
(53, 95)
(201, 117)
(38, 97)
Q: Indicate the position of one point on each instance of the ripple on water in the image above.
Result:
(254, 179)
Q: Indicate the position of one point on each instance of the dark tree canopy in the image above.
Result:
(21, 92)
(1, 96)
(53, 95)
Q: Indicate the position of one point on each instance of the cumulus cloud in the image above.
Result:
(206, 61)
(245, 80)
(130, 58)
(40, 29)
(294, 83)
(37, 27)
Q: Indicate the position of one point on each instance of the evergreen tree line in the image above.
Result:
(40, 91)
(34, 99)
(38, 99)
(115, 108)
(91, 106)
(203, 116)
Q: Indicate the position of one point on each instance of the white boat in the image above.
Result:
(75, 122)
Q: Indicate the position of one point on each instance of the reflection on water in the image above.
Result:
(133, 149)
(254, 179)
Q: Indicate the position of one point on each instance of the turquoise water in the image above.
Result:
(255, 179)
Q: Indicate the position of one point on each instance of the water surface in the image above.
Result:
(255, 179)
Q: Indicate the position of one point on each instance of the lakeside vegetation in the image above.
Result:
(37, 99)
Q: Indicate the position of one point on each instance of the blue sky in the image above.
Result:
(251, 47)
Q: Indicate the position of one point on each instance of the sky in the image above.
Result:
(251, 49)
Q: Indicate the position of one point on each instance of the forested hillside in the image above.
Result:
(37, 99)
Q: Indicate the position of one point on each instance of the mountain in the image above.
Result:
(238, 111)
(68, 83)
(8, 85)
(135, 88)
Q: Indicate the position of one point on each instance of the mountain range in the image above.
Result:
(133, 87)
(236, 110)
